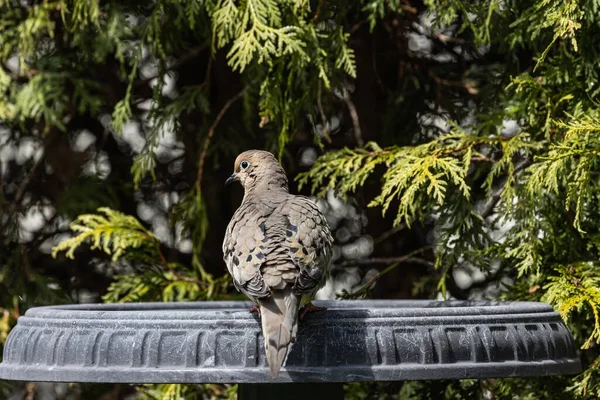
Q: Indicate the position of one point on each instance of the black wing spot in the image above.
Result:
(294, 249)
(236, 260)
(305, 251)
(249, 258)
(291, 228)
(260, 256)
(263, 228)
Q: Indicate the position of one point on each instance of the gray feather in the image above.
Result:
(279, 319)
(277, 248)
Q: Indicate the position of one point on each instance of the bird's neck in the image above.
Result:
(265, 188)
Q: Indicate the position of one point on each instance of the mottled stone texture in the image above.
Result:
(352, 341)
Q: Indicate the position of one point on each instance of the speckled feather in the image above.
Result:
(277, 243)
(277, 248)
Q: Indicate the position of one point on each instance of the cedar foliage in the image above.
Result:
(424, 94)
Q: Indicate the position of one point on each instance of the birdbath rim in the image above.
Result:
(405, 308)
(354, 340)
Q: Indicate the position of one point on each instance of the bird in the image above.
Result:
(278, 249)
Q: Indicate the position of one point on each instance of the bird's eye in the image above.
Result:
(244, 164)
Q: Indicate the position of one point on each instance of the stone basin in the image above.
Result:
(221, 342)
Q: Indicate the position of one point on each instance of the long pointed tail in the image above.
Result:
(279, 318)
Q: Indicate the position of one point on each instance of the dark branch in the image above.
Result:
(211, 132)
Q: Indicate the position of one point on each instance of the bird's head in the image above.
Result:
(258, 168)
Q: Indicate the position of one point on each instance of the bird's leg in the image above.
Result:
(310, 307)
(255, 309)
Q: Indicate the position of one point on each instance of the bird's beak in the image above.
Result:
(231, 179)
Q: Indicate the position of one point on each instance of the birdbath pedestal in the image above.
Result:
(221, 342)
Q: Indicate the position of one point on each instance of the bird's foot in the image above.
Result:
(255, 309)
(308, 308)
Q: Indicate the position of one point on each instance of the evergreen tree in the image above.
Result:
(461, 139)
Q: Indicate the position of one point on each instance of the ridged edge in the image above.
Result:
(221, 342)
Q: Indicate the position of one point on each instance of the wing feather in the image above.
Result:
(289, 244)
(310, 244)
(245, 250)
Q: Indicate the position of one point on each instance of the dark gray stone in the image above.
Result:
(352, 341)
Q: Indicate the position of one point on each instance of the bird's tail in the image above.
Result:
(279, 318)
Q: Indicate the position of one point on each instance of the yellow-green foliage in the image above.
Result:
(539, 185)
(569, 164)
(416, 176)
(576, 288)
(278, 34)
(177, 283)
(110, 231)
(257, 31)
(123, 236)
(522, 205)
(575, 292)
(178, 391)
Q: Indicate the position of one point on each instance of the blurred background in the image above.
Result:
(451, 144)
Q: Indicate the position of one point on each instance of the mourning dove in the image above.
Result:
(277, 248)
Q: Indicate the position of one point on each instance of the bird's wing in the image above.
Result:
(291, 245)
(309, 242)
(245, 249)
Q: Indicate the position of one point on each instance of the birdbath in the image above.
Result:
(221, 342)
